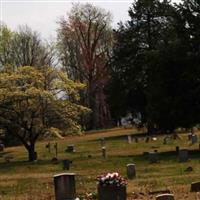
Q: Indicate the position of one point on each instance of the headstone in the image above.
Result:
(165, 197)
(111, 192)
(194, 139)
(70, 148)
(195, 187)
(189, 136)
(66, 164)
(153, 157)
(103, 142)
(64, 185)
(183, 155)
(104, 152)
(131, 172)
(129, 137)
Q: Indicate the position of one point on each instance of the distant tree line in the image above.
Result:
(148, 66)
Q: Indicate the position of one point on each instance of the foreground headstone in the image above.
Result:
(195, 187)
(111, 193)
(153, 157)
(131, 172)
(165, 197)
(183, 155)
(65, 186)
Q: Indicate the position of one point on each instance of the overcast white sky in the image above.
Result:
(42, 15)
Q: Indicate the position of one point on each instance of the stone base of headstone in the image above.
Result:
(183, 155)
(195, 187)
(131, 172)
(65, 186)
(111, 193)
(165, 197)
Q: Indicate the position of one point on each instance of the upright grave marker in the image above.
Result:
(64, 185)
(131, 172)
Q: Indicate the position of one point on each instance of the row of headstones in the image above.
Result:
(183, 155)
(65, 189)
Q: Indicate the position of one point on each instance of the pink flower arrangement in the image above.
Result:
(111, 179)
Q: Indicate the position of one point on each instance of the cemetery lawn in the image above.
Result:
(21, 180)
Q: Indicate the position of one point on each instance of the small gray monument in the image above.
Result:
(153, 157)
(131, 172)
(65, 186)
(104, 152)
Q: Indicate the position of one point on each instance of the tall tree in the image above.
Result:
(85, 40)
(23, 113)
(134, 54)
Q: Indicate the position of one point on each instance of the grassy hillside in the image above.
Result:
(21, 180)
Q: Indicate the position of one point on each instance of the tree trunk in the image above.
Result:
(32, 155)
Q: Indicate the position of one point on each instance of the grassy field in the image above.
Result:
(20, 180)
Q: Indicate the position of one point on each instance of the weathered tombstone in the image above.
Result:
(104, 152)
(129, 137)
(153, 157)
(195, 187)
(66, 164)
(111, 192)
(183, 155)
(194, 139)
(103, 142)
(64, 185)
(165, 197)
(70, 148)
(177, 149)
(131, 172)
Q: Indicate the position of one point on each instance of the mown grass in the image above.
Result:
(20, 180)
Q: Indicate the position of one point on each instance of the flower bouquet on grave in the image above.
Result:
(111, 186)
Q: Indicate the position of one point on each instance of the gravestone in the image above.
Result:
(183, 155)
(194, 139)
(64, 185)
(165, 197)
(70, 149)
(110, 192)
(104, 152)
(131, 172)
(153, 157)
(66, 164)
(129, 137)
(195, 187)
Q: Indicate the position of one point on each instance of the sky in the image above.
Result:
(43, 15)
